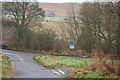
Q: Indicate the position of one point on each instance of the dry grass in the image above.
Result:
(102, 63)
(68, 52)
(100, 67)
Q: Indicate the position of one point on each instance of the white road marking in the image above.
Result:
(21, 59)
(61, 72)
(56, 72)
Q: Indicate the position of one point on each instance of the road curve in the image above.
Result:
(25, 67)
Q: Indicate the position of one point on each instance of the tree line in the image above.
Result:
(99, 26)
(93, 26)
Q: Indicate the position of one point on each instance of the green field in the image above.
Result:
(61, 62)
(49, 19)
(5, 66)
(55, 19)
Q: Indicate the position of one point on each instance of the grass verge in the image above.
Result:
(52, 62)
(91, 74)
(5, 66)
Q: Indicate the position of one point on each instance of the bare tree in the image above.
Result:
(23, 13)
(75, 23)
(99, 26)
(103, 23)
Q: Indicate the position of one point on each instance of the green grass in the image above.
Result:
(61, 62)
(5, 66)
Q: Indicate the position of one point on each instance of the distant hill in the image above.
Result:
(56, 9)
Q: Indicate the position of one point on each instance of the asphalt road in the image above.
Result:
(25, 67)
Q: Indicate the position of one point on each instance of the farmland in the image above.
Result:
(55, 19)
(47, 18)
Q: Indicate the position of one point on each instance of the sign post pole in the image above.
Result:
(71, 45)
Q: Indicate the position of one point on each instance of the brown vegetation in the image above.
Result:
(102, 63)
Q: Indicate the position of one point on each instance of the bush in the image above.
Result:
(59, 45)
(30, 39)
(43, 40)
(4, 46)
(101, 63)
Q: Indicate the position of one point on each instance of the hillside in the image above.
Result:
(57, 9)
(60, 28)
(9, 30)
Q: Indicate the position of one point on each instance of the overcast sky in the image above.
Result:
(76, 1)
(63, 1)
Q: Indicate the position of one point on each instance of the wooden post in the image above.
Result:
(118, 27)
(118, 35)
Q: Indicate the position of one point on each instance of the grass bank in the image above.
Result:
(92, 74)
(52, 62)
(5, 66)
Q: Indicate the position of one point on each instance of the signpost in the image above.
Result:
(71, 44)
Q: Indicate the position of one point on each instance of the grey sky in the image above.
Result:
(62, 1)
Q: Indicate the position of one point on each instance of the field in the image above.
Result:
(5, 66)
(61, 62)
(55, 19)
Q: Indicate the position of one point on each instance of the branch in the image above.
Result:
(115, 13)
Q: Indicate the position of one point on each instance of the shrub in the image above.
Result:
(60, 44)
(43, 40)
(4, 46)
(101, 63)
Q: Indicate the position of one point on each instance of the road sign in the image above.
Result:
(71, 44)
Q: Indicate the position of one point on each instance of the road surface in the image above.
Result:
(25, 67)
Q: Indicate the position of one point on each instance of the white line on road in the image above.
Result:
(56, 72)
(61, 72)
(21, 59)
